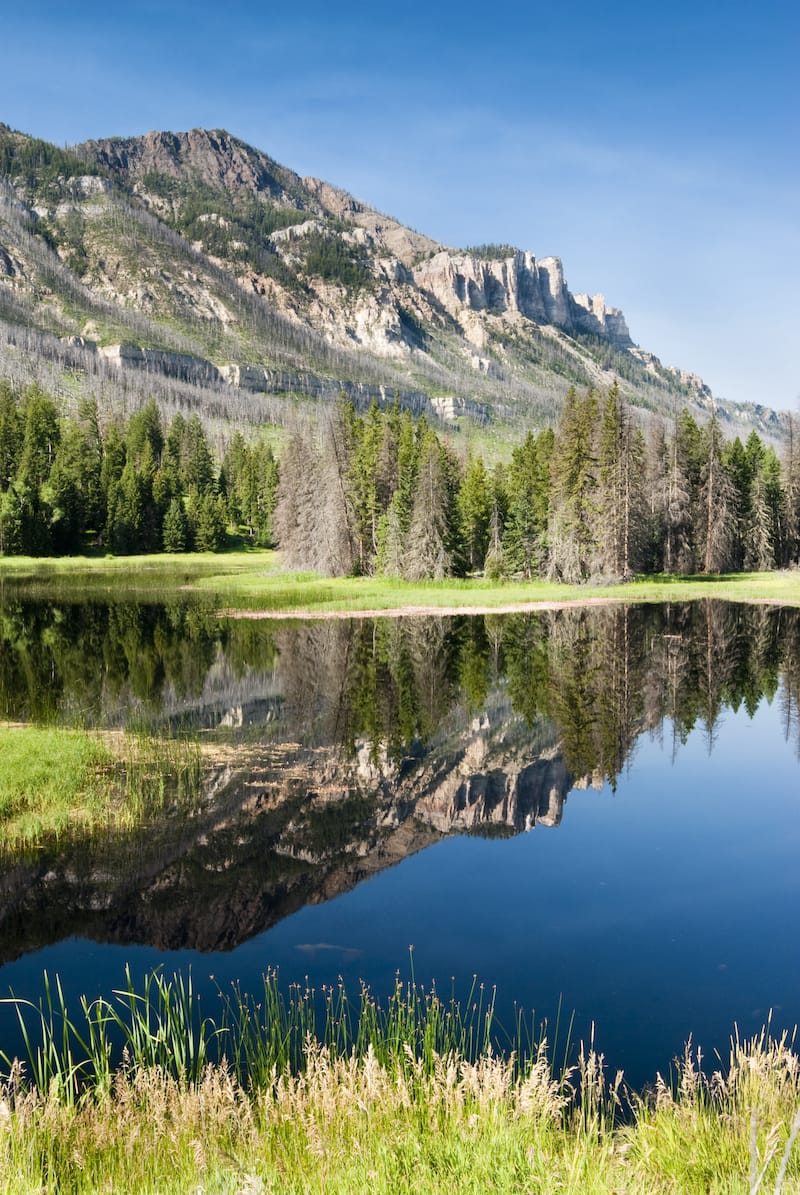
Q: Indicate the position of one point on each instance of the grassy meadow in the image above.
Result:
(255, 580)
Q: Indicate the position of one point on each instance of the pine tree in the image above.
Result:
(527, 486)
(197, 465)
(176, 527)
(474, 510)
(145, 437)
(126, 513)
(758, 542)
(209, 531)
(717, 507)
(620, 525)
(362, 485)
(297, 498)
(64, 496)
(11, 432)
(427, 553)
(573, 521)
(11, 524)
(678, 552)
(40, 440)
(496, 566)
(791, 489)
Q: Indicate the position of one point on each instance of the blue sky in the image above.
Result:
(653, 147)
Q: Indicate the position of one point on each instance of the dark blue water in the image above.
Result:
(663, 909)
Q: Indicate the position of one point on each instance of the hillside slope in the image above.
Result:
(193, 266)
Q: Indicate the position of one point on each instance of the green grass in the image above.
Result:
(57, 783)
(404, 1098)
(271, 589)
(254, 579)
(50, 780)
(136, 569)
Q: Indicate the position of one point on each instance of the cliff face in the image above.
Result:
(517, 284)
(522, 285)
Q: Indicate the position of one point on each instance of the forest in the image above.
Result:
(68, 486)
(599, 497)
(602, 496)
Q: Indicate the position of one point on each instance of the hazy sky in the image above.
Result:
(653, 147)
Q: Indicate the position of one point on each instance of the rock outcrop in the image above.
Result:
(213, 157)
(534, 289)
(202, 250)
(592, 315)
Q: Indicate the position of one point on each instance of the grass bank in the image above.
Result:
(57, 783)
(303, 593)
(158, 575)
(255, 580)
(401, 1099)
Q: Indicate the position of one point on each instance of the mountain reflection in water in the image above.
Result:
(336, 749)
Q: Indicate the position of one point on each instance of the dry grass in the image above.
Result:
(382, 1121)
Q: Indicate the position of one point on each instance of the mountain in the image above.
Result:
(193, 266)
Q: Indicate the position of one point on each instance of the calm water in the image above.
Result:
(597, 810)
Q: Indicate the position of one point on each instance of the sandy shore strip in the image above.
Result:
(421, 611)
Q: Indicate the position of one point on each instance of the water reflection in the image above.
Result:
(336, 749)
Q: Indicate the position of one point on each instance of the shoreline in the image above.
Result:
(531, 607)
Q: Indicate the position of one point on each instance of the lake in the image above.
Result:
(595, 811)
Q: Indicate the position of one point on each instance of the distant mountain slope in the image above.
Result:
(224, 277)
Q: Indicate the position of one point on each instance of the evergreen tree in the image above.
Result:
(496, 566)
(145, 437)
(791, 489)
(527, 490)
(620, 530)
(474, 510)
(197, 465)
(573, 522)
(678, 549)
(64, 494)
(428, 555)
(126, 512)
(717, 507)
(11, 524)
(11, 433)
(758, 545)
(362, 484)
(210, 532)
(40, 440)
(176, 527)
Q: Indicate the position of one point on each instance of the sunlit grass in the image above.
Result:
(275, 590)
(50, 780)
(277, 1096)
(57, 783)
(255, 580)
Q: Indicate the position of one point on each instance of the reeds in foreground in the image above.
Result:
(295, 1094)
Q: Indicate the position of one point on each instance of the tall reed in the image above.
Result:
(297, 1092)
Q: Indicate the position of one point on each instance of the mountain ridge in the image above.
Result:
(196, 247)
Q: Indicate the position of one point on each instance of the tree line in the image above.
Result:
(130, 486)
(599, 496)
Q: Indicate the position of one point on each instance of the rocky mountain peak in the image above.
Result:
(213, 157)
